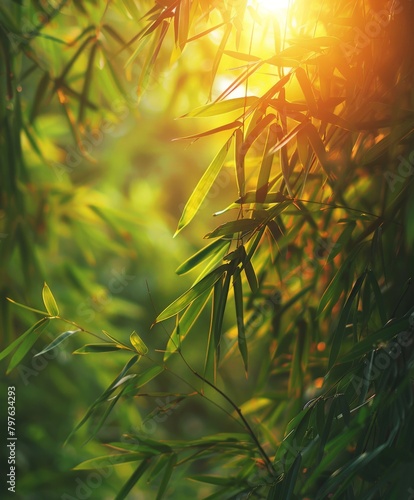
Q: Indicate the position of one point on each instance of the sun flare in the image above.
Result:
(273, 6)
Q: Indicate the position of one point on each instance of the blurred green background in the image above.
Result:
(91, 209)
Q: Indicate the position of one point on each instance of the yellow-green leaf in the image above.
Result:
(190, 295)
(49, 301)
(138, 343)
(203, 187)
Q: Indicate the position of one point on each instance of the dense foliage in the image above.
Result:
(293, 341)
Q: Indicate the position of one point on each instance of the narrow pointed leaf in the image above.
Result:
(228, 229)
(185, 324)
(238, 297)
(133, 479)
(221, 107)
(306, 87)
(200, 256)
(19, 340)
(203, 187)
(99, 348)
(138, 343)
(62, 337)
(222, 128)
(49, 301)
(27, 343)
(190, 295)
(340, 329)
(166, 477)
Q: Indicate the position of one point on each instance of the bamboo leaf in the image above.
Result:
(228, 229)
(222, 128)
(190, 295)
(242, 56)
(251, 275)
(167, 475)
(221, 107)
(62, 337)
(49, 301)
(37, 311)
(318, 148)
(99, 348)
(340, 329)
(138, 343)
(19, 340)
(109, 461)
(201, 255)
(306, 87)
(204, 185)
(185, 323)
(26, 342)
(239, 155)
(238, 297)
(266, 165)
(136, 476)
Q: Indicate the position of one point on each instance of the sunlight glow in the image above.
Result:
(273, 6)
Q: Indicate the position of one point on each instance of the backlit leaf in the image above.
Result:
(203, 187)
(62, 337)
(49, 301)
(190, 295)
(138, 343)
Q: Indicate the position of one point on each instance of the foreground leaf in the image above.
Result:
(49, 301)
(190, 295)
(62, 337)
(203, 187)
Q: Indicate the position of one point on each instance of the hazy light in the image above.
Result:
(273, 6)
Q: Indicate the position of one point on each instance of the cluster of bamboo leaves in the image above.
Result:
(311, 262)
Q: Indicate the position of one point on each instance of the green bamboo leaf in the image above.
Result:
(228, 229)
(99, 348)
(185, 323)
(201, 255)
(121, 377)
(339, 480)
(114, 340)
(62, 337)
(138, 343)
(19, 340)
(136, 476)
(217, 480)
(167, 475)
(203, 187)
(291, 477)
(384, 334)
(339, 332)
(49, 301)
(251, 275)
(219, 108)
(147, 375)
(238, 297)
(109, 461)
(379, 300)
(190, 295)
(26, 343)
(343, 239)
